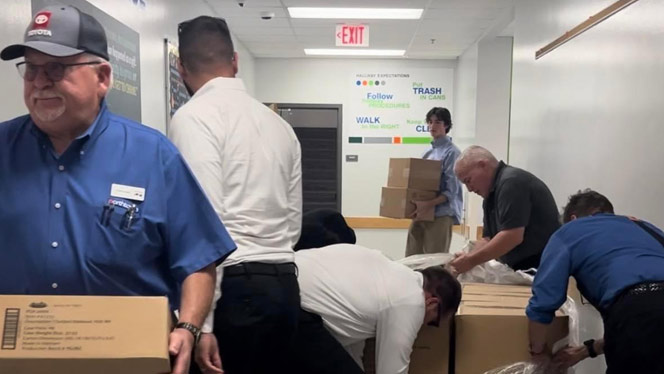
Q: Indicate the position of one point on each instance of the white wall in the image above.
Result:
(14, 19)
(589, 113)
(482, 109)
(325, 81)
(494, 80)
(158, 20)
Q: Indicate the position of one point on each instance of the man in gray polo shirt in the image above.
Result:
(520, 213)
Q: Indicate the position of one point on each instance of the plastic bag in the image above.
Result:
(490, 272)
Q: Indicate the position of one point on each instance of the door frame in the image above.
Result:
(339, 108)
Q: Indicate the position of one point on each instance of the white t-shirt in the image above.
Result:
(247, 159)
(361, 294)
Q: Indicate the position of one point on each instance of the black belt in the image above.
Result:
(637, 289)
(642, 288)
(260, 268)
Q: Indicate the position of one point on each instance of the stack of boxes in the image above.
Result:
(409, 179)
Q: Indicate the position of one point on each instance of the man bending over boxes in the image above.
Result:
(350, 293)
(618, 264)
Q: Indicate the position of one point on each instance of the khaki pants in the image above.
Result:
(429, 236)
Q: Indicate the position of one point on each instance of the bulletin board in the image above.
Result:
(176, 92)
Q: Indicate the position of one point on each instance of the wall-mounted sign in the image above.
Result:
(352, 35)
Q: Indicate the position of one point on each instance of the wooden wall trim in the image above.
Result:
(393, 223)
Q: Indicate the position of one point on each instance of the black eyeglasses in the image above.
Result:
(55, 71)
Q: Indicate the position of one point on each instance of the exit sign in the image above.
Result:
(352, 35)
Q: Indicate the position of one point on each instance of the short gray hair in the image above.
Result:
(472, 155)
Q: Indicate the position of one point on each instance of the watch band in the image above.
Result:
(590, 346)
(193, 329)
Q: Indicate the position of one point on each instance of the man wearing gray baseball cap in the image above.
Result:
(94, 203)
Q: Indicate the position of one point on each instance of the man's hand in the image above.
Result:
(570, 356)
(462, 263)
(180, 345)
(207, 355)
(423, 210)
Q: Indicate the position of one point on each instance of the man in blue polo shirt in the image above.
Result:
(618, 264)
(93, 203)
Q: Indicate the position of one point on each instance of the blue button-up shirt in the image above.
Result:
(62, 230)
(444, 150)
(605, 253)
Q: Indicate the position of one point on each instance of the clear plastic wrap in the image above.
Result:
(490, 272)
(542, 367)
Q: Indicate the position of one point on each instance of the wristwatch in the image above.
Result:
(195, 331)
(590, 346)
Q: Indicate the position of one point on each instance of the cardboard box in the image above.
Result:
(416, 173)
(396, 202)
(430, 352)
(490, 331)
(84, 334)
(492, 328)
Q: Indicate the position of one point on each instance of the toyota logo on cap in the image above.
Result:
(41, 20)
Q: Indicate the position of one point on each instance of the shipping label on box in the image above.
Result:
(84, 334)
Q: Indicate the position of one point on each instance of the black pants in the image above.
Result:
(527, 263)
(318, 352)
(634, 334)
(256, 318)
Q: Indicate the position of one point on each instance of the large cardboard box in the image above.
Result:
(430, 353)
(492, 328)
(490, 331)
(415, 173)
(84, 334)
(397, 202)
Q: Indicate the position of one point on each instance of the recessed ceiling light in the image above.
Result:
(353, 52)
(355, 13)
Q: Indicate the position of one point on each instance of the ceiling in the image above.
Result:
(453, 25)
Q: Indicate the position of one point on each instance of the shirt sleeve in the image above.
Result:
(201, 146)
(195, 237)
(513, 204)
(295, 197)
(449, 183)
(395, 334)
(208, 324)
(551, 281)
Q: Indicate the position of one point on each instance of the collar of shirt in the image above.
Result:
(98, 126)
(441, 142)
(220, 83)
(499, 171)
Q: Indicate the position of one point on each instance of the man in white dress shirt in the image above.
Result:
(247, 159)
(360, 294)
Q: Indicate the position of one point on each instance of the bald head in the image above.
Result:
(475, 168)
(472, 155)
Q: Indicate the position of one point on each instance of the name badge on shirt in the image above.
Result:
(127, 192)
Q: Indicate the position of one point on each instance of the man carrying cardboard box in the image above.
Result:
(618, 264)
(97, 204)
(360, 294)
(520, 213)
(435, 236)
